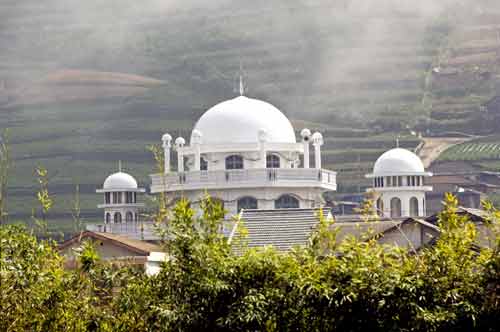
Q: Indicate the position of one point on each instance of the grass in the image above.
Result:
(488, 149)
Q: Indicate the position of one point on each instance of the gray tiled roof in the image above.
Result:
(281, 228)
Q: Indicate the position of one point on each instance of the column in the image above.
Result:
(306, 136)
(262, 148)
(196, 142)
(167, 144)
(179, 144)
(317, 141)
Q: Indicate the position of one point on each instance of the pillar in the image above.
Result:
(167, 144)
(179, 144)
(262, 148)
(196, 142)
(306, 136)
(317, 141)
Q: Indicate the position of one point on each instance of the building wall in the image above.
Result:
(405, 202)
(217, 161)
(308, 197)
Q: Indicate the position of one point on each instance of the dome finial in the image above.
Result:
(397, 141)
(242, 85)
(119, 165)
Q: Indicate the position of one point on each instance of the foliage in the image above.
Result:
(4, 175)
(328, 285)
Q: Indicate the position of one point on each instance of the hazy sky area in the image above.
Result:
(310, 46)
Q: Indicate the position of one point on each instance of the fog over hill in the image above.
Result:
(85, 83)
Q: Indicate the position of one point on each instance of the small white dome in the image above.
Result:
(240, 120)
(398, 161)
(120, 180)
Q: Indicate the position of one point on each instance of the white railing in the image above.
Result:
(241, 178)
(134, 230)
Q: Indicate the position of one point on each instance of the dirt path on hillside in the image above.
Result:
(432, 147)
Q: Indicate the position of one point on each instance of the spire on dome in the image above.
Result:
(242, 85)
(119, 165)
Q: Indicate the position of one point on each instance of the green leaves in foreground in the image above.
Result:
(352, 285)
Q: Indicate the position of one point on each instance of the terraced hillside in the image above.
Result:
(85, 84)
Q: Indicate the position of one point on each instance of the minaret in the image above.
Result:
(399, 184)
(120, 198)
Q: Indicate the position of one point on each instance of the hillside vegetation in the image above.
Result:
(85, 84)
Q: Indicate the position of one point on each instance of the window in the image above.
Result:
(286, 202)
(234, 162)
(272, 161)
(108, 218)
(129, 217)
(395, 207)
(129, 197)
(107, 198)
(118, 218)
(203, 164)
(117, 198)
(135, 198)
(413, 207)
(380, 207)
(247, 202)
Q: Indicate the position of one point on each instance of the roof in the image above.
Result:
(286, 228)
(475, 215)
(398, 161)
(120, 180)
(137, 246)
(240, 120)
(281, 228)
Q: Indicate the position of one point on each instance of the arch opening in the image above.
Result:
(395, 207)
(286, 202)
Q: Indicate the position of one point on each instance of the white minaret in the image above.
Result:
(196, 139)
(399, 184)
(317, 142)
(306, 137)
(167, 145)
(179, 145)
(120, 198)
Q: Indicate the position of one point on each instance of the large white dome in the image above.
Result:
(398, 162)
(119, 180)
(239, 120)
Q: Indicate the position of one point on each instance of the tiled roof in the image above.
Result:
(140, 247)
(281, 228)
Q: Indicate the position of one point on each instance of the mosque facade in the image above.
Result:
(244, 152)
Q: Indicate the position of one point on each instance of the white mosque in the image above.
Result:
(244, 152)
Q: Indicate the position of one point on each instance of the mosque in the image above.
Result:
(244, 152)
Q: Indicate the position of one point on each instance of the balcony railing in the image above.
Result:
(245, 178)
(135, 230)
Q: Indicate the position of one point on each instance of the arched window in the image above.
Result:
(129, 217)
(380, 207)
(247, 202)
(108, 218)
(286, 202)
(118, 218)
(203, 164)
(272, 161)
(395, 207)
(234, 162)
(413, 207)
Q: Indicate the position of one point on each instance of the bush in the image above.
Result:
(353, 285)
